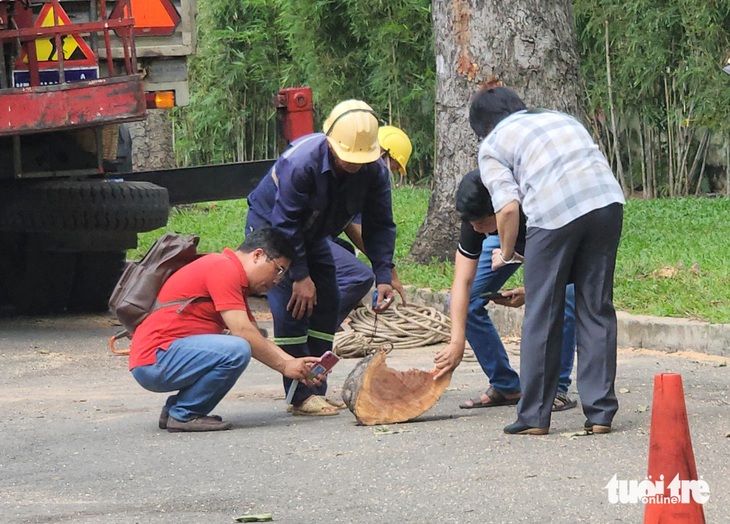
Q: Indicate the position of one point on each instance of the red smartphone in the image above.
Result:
(326, 362)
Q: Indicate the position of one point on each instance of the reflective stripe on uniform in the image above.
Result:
(290, 341)
(328, 337)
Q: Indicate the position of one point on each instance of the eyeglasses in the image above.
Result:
(280, 270)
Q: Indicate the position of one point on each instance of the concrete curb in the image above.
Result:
(634, 331)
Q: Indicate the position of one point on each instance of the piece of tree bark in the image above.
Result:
(377, 394)
(530, 45)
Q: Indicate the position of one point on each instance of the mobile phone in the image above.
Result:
(492, 295)
(326, 362)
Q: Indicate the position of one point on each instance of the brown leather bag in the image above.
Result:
(135, 295)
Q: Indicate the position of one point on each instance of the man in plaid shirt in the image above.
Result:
(546, 162)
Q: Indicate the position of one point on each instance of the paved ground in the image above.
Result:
(79, 443)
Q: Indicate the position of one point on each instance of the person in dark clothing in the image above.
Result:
(474, 279)
(311, 194)
(354, 277)
(546, 163)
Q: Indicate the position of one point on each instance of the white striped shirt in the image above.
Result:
(548, 163)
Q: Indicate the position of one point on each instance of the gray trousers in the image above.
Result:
(582, 252)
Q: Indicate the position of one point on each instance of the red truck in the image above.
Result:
(71, 74)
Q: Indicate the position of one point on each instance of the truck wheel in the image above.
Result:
(86, 205)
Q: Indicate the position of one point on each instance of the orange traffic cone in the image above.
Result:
(671, 459)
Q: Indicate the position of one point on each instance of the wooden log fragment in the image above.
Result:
(377, 394)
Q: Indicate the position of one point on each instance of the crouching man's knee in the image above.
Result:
(240, 354)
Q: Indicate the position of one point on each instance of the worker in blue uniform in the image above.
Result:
(311, 194)
(354, 277)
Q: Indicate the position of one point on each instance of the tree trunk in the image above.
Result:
(152, 141)
(528, 44)
(377, 394)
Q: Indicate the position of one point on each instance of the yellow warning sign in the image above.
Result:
(74, 48)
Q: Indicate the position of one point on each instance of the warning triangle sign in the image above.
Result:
(151, 17)
(76, 52)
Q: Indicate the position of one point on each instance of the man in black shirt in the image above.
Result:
(474, 280)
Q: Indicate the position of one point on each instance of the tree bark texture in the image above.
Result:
(152, 141)
(528, 44)
(377, 394)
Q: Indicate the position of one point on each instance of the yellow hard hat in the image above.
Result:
(352, 131)
(397, 144)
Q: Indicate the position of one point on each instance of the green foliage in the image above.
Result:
(380, 52)
(669, 91)
(670, 100)
(236, 71)
(671, 260)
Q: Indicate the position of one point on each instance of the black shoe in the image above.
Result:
(165, 414)
(197, 425)
(518, 428)
(563, 401)
(598, 429)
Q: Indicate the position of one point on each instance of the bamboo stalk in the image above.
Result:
(617, 156)
(642, 148)
(630, 157)
(704, 162)
(701, 147)
(652, 163)
(670, 138)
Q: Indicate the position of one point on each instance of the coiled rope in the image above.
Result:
(399, 327)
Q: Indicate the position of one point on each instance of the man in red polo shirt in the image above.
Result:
(185, 350)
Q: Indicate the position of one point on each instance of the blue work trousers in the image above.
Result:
(354, 279)
(313, 335)
(201, 368)
(484, 338)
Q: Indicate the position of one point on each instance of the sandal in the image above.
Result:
(339, 404)
(563, 401)
(315, 406)
(332, 402)
(496, 398)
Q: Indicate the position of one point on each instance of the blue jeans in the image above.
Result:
(201, 368)
(484, 338)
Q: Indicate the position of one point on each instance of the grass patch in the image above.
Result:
(671, 260)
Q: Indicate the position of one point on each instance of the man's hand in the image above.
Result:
(448, 359)
(385, 297)
(301, 369)
(512, 297)
(498, 259)
(303, 298)
(398, 286)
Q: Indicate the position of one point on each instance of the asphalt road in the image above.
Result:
(79, 443)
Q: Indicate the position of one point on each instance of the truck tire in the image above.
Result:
(88, 205)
